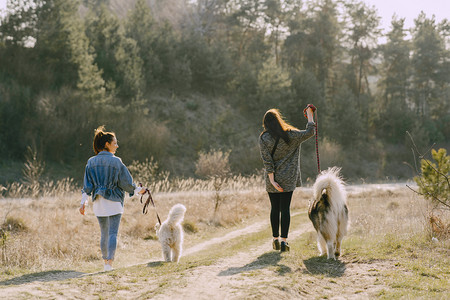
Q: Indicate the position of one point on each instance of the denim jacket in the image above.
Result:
(106, 175)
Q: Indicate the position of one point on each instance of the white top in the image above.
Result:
(103, 207)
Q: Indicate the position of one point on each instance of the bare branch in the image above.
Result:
(431, 195)
(437, 171)
(415, 161)
(429, 149)
(415, 146)
(409, 165)
(421, 156)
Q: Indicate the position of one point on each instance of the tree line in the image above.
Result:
(174, 84)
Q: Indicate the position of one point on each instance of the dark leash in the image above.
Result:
(314, 109)
(149, 199)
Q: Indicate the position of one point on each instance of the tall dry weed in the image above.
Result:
(215, 166)
(49, 188)
(32, 171)
(438, 225)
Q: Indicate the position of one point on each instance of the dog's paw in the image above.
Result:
(331, 257)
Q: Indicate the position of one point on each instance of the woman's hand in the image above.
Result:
(310, 114)
(274, 183)
(277, 186)
(84, 199)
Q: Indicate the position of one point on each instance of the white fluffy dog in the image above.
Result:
(328, 212)
(170, 233)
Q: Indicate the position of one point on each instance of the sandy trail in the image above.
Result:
(223, 279)
(258, 272)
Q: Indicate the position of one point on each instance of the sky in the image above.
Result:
(408, 9)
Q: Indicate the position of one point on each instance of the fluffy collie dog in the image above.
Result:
(170, 233)
(328, 212)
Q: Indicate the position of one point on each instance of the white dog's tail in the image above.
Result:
(331, 181)
(176, 214)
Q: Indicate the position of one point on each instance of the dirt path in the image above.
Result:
(223, 279)
(256, 273)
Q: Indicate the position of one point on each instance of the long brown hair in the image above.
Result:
(276, 126)
(102, 137)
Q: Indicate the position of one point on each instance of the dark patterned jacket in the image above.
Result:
(285, 163)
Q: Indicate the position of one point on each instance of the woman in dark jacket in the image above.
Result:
(280, 151)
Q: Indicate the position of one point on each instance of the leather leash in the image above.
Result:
(314, 109)
(149, 199)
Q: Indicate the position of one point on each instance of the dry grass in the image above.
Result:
(387, 253)
(48, 232)
(394, 211)
(54, 236)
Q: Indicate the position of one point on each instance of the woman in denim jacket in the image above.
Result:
(107, 179)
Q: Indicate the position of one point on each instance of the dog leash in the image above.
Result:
(149, 199)
(314, 109)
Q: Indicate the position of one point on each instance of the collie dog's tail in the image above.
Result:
(176, 214)
(331, 183)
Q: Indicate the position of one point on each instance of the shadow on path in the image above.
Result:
(47, 276)
(324, 266)
(263, 261)
(154, 264)
(58, 275)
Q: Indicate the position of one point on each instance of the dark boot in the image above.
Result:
(276, 244)
(284, 247)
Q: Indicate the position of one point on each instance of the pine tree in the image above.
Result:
(62, 44)
(429, 86)
(142, 28)
(393, 113)
(433, 181)
(117, 56)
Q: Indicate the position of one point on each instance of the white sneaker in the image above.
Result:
(108, 267)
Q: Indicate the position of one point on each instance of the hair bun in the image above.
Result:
(100, 130)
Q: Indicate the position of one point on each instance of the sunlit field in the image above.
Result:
(390, 232)
(48, 232)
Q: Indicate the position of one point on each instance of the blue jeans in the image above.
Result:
(109, 226)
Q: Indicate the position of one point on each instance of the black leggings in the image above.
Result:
(281, 203)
